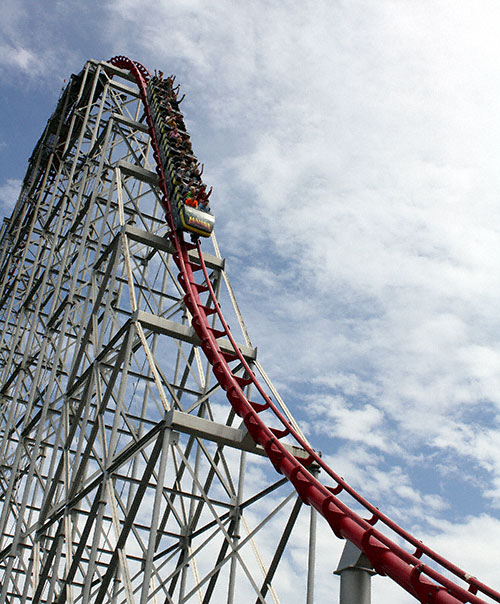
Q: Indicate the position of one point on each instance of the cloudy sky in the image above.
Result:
(354, 150)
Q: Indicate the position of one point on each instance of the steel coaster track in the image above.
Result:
(421, 580)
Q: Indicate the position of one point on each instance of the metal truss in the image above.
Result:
(124, 474)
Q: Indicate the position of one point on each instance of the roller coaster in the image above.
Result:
(272, 431)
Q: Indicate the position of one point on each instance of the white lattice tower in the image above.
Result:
(124, 474)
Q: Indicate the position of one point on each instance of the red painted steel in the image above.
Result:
(388, 558)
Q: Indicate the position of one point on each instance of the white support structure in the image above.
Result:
(125, 476)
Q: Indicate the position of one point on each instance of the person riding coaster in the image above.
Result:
(188, 196)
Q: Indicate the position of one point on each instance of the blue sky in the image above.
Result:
(354, 150)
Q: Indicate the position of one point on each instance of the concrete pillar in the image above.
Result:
(355, 571)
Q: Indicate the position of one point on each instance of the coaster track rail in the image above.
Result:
(388, 558)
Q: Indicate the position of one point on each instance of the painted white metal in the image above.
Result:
(124, 474)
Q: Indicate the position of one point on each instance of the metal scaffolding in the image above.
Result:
(124, 474)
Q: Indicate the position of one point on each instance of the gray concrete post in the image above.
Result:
(355, 571)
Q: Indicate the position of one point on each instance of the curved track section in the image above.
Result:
(402, 563)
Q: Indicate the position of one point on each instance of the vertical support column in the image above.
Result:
(355, 571)
(311, 559)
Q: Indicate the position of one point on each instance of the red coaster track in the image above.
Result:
(388, 558)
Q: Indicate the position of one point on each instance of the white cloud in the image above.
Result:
(17, 56)
(9, 192)
(39, 44)
(479, 554)
(364, 423)
(15, 52)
